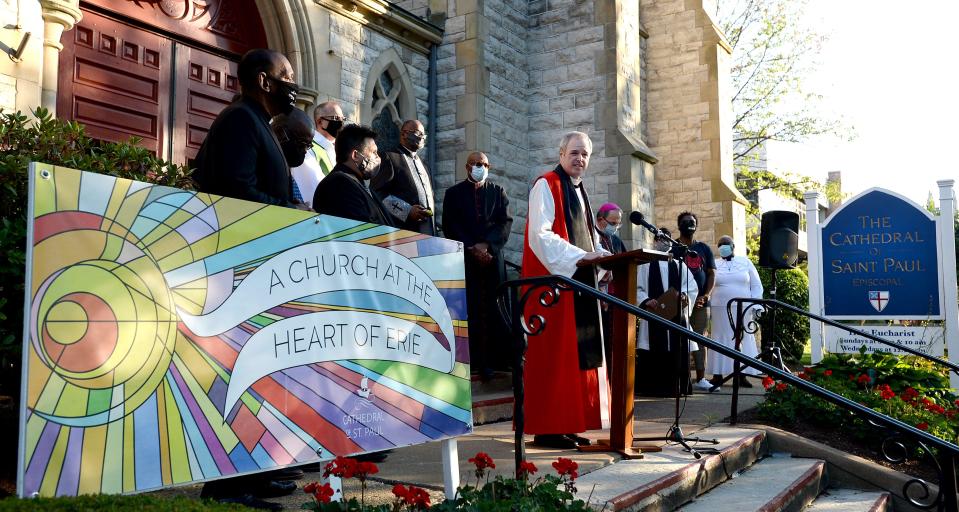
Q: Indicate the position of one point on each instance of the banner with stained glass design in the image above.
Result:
(175, 337)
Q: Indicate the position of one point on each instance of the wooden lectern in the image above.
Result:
(623, 365)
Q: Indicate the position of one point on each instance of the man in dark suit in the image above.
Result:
(404, 182)
(240, 157)
(345, 193)
(476, 212)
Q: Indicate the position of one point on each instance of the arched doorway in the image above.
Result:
(160, 70)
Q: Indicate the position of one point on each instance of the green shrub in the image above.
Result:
(909, 389)
(115, 503)
(53, 141)
(792, 330)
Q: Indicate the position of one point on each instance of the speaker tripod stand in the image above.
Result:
(771, 352)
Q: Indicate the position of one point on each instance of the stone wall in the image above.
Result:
(358, 47)
(690, 118)
(20, 82)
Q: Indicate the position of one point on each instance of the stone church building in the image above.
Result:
(647, 79)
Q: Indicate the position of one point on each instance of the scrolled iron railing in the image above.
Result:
(548, 289)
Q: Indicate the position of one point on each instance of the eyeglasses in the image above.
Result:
(334, 118)
(482, 164)
(418, 134)
(304, 143)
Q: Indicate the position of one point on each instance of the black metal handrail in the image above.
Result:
(744, 304)
(551, 286)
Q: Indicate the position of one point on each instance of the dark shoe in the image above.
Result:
(248, 500)
(744, 383)
(274, 489)
(579, 440)
(554, 441)
(285, 474)
(379, 456)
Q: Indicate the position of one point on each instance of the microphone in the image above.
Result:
(640, 220)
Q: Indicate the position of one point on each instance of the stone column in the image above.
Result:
(690, 118)
(58, 16)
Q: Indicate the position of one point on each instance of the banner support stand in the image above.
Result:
(451, 467)
(814, 268)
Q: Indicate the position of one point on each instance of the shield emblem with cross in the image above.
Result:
(879, 299)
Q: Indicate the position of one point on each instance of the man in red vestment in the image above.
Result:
(565, 394)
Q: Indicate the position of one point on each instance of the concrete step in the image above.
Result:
(493, 398)
(492, 407)
(774, 484)
(664, 480)
(850, 500)
(500, 382)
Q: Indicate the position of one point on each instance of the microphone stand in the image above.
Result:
(681, 348)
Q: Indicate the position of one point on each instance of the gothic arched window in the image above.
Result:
(389, 98)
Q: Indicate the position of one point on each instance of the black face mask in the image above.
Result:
(414, 142)
(293, 153)
(284, 95)
(333, 127)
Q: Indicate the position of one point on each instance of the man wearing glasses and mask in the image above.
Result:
(321, 157)
(241, 157)
(346, 192)
(404, 182)
(476, 212)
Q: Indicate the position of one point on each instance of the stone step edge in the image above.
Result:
(795, 487)
(882, 504)
(492, 401)
(708, 462)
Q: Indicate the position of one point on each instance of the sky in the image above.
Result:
(890, 71)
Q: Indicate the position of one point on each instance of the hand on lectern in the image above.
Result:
(595, 255)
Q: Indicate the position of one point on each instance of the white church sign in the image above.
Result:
(882, 257)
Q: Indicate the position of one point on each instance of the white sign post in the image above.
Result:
(947, 236)
(815, 273)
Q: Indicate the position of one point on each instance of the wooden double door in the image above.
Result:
(157, 71)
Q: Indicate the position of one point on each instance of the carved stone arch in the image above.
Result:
(388, 97)
(287, 27)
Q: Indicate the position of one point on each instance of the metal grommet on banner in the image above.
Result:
(45, 174)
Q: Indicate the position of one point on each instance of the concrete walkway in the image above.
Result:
(422, 465)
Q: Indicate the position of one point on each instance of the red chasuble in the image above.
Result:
(560, 397)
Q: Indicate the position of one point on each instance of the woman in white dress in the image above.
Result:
(736, 276)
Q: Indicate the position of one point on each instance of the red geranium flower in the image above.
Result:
(342, 467)
(936, 409)
(401, 492)
(310, 488)
(527, 468)
(413, 496)
(482, 461)
(922, 425)
(827, 373)
(864, 379)
(909, 394)
(564, 467)
(885, 392)
(781, 386)
(768, 382)
(803, 376)
(323, 493)
(365, 469)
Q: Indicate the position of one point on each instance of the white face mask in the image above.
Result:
(479, 173)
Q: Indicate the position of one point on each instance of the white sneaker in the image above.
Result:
(704, 385)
